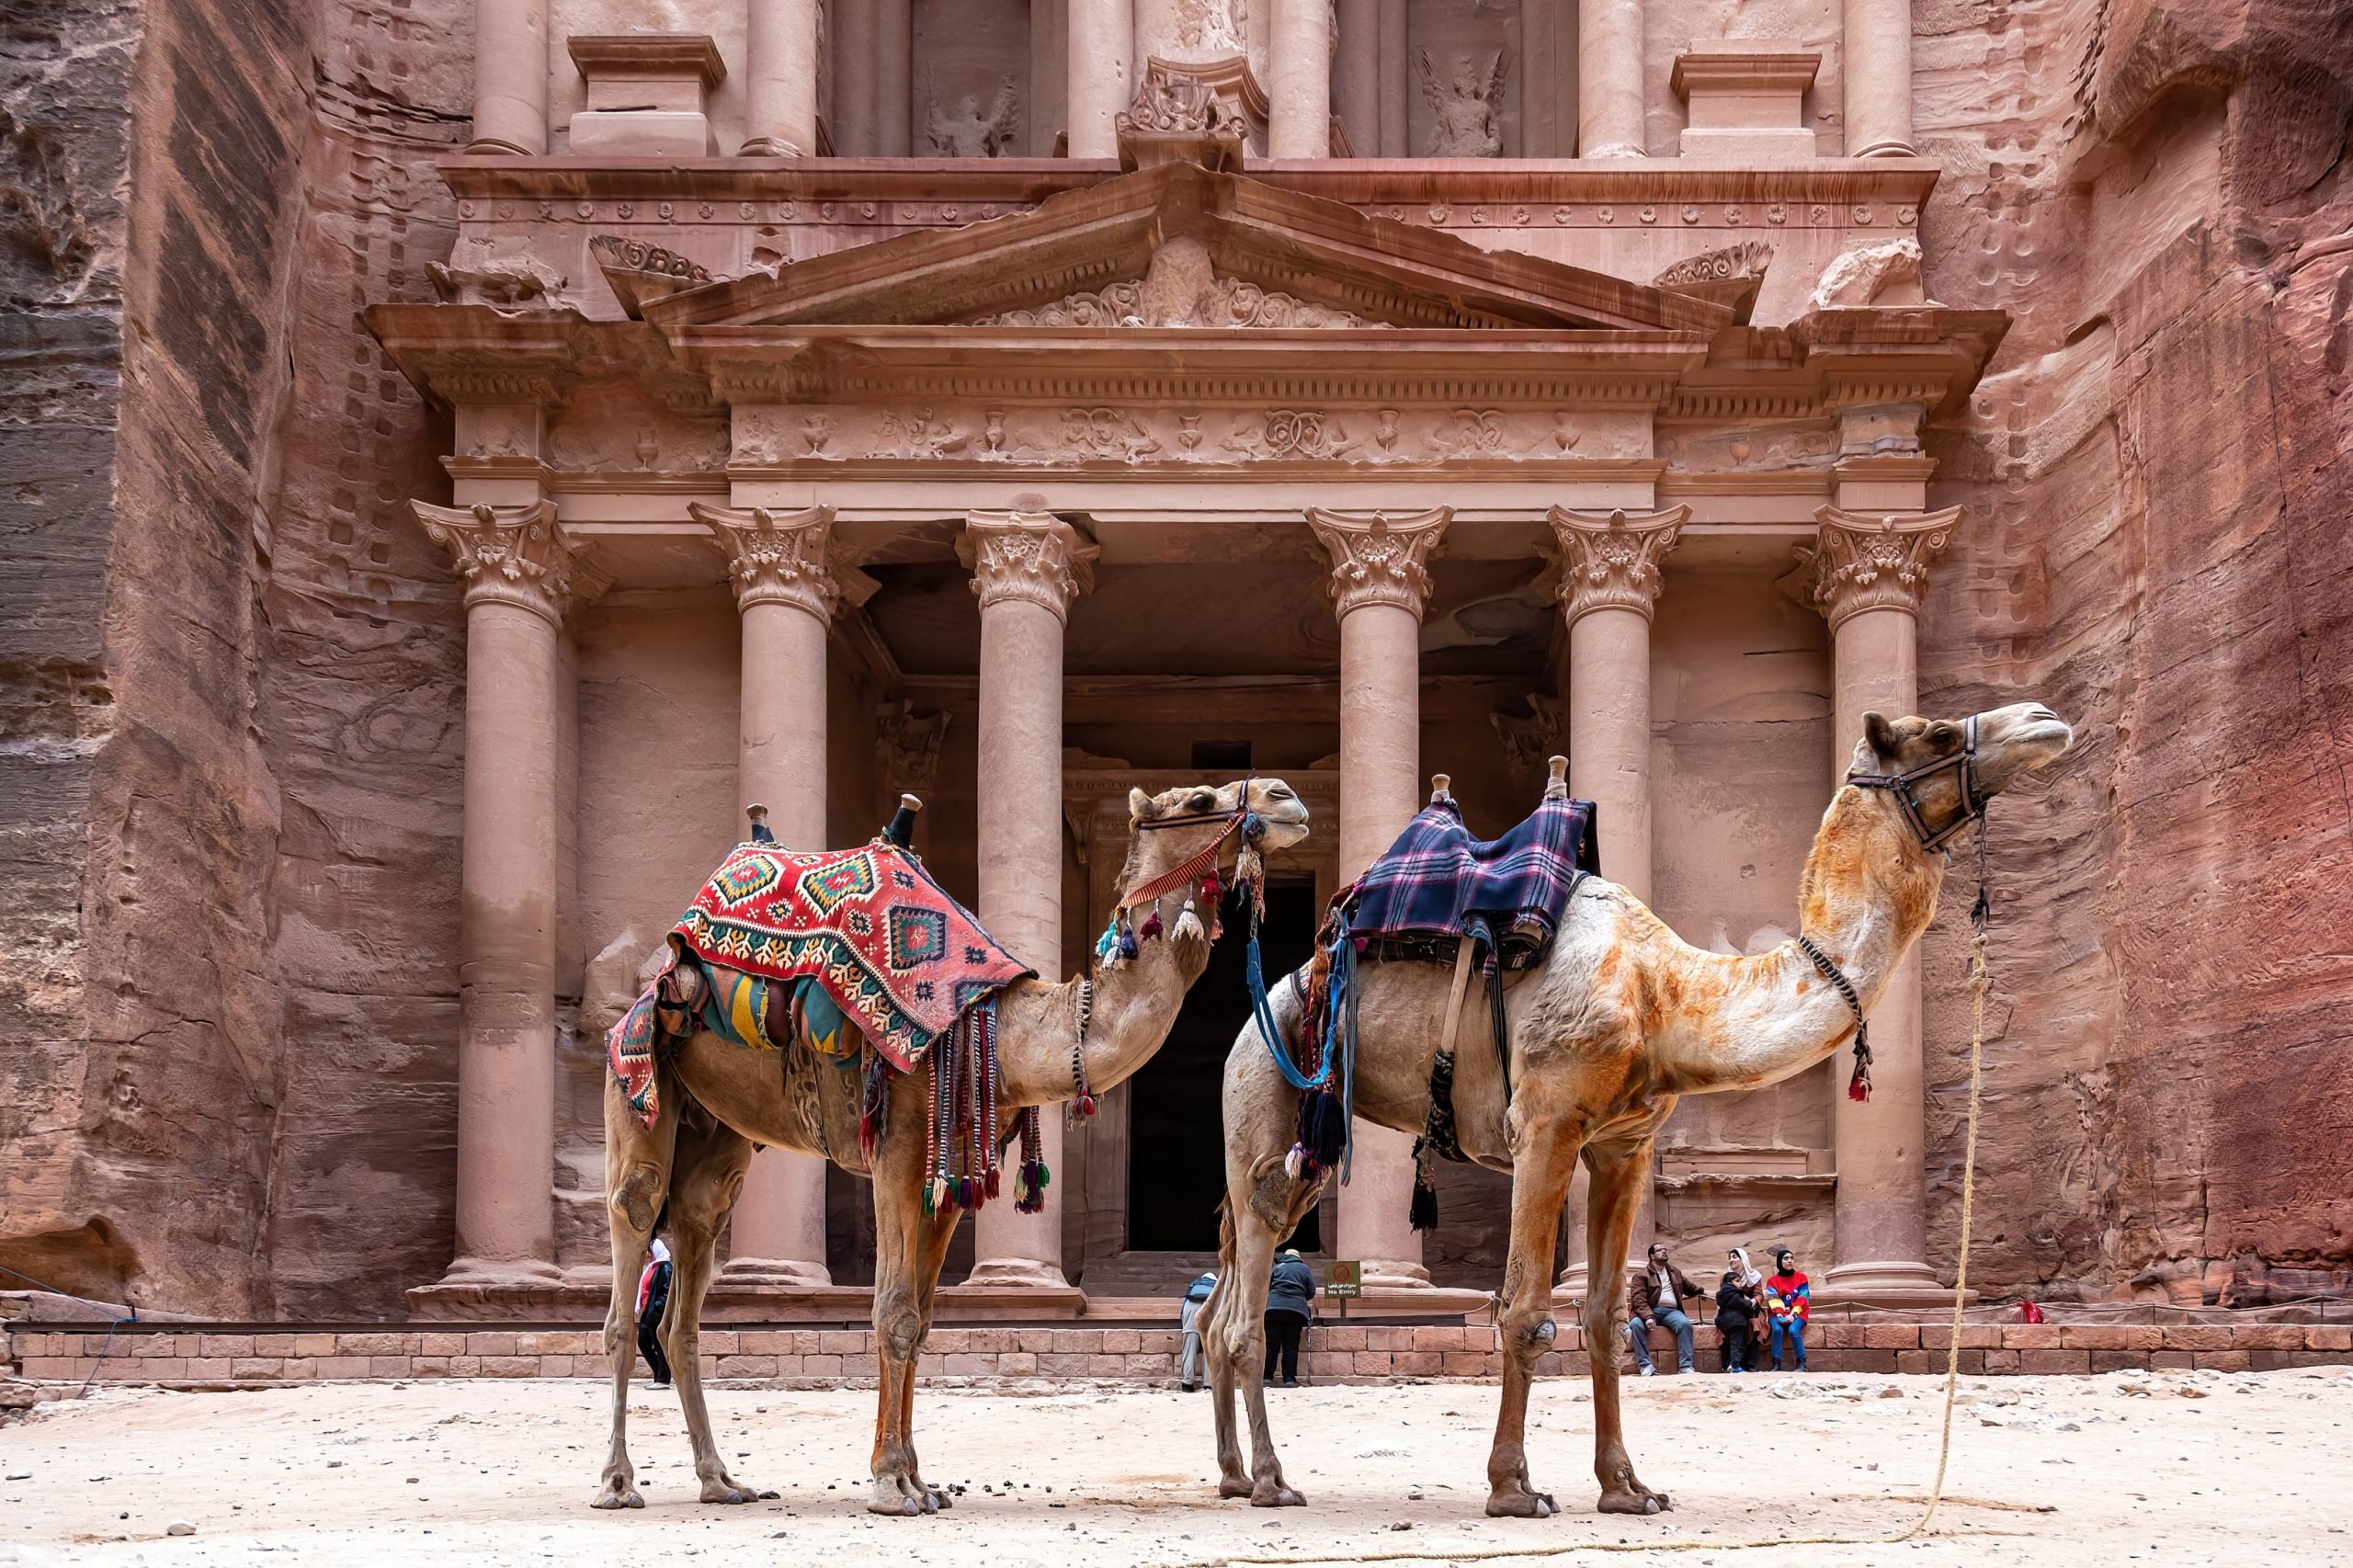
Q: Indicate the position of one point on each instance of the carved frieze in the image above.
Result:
(1175, 104)
(1108, 433)
(775, 557)
(1378, 559)
(510, 555)
(1862, 561)
(1180, 288)
(1290, 433)
(1031, 556)
(1730, 263)
(628, 254)
(1609, 560)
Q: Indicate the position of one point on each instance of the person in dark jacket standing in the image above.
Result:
(1736, 1318)
(1291, 1304)
(1658, 1292)
(652, 1300)
(1197, 1296)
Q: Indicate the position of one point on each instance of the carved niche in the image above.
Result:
(1466, 101)
(958, 128)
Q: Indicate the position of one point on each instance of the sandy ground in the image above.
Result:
(2161, 1468)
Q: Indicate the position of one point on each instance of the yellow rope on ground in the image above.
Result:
(1977, 984)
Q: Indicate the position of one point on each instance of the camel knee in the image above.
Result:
(636, 1198)
(900, 1331)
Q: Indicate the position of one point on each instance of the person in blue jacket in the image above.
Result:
(1291, 1306)
(1196, 1295)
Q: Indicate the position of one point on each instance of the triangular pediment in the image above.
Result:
(1178, 246)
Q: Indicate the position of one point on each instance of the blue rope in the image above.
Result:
(1343, 956)
(107, 1344)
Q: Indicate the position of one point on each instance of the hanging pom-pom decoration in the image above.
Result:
(1188, 925)
(1150, 931)
(1107, 946)
(1859, 1086)
(1127, 942)
(1249, 866)
(1295, 1163)
(1422, 1213)
(1086, 1105)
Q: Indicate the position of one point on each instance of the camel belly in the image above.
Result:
(791, 1098)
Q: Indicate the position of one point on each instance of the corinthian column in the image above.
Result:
(1877, 67)
(1298, 100)
(518, 568)
(510, 77)
(1868, 575)
(1379, 584)
(1609, 79)
(780, 107)
(1102, 40)
(1610, 583)
(784, 594)
(1027, 567)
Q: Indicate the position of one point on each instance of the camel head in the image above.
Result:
(2010, 744)
(1277, 804)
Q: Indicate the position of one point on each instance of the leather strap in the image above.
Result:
(1454, 995)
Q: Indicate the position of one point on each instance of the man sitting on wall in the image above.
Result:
(1657, 1294)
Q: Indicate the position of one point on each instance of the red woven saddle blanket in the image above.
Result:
(901, 959)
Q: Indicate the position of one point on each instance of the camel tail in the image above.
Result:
(1229, 1245)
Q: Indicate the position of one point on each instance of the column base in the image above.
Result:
(1017, 1274)
(1885, 1283)
(1889, 148)
(1026, 1287)
(1615, 150)
(769, 147)
(491, 147)
(793, 1273)
(1395, 1274)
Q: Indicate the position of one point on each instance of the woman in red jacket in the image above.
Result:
(1787, 1293)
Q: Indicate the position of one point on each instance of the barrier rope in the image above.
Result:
(131, 1315)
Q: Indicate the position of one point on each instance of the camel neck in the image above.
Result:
(1135, 1005)
(1867, 892)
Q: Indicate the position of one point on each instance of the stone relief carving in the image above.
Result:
(1467, 105)
(918, 435)
(1214, 27)
(1180, 288)
(1747, 259)
(906, 746)
(1106, 433)
(1379, 560)
(1469, 432)
(643, 440)
(1609, 560)
(496, 430)
(510, 555)
(775, 557)
(958, 129)
(1527, 740)
(639, 255)
(1886, 274)
(505, 284)
(1860, 561)
(1173, 104)
(1289, 433)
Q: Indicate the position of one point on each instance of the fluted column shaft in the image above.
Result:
(1877, 71)
(1299, 98)
(1609, 585)
(894, 67)
(1355, 88)
(784, 595)
(1380, 585)
(1027, 567)
(780, 117)
(1609, 79)
(517, 566)
(1872, 573)
(510, 77)
(1102, 40)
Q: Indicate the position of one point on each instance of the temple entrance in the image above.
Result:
(1175, 1119)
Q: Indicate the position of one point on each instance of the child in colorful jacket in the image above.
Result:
(1787, 1295)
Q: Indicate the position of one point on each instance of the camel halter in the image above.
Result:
(1242, 820)
(1899, 785)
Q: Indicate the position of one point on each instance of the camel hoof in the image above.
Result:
(1521, 1506)
(628, 1497)
(1277, 1497)
(726, 1495)
(940, 1501)
(1633, 1502)
(1234, 1486)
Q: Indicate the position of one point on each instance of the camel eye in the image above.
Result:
(1204, 802)
(1942, 734)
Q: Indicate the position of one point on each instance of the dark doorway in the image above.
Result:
(1176, 1114)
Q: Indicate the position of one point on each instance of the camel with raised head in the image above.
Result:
(1618, 1021)
(719, 1100)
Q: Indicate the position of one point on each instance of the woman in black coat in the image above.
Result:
(1291, 1304)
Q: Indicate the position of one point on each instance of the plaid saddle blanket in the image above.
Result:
(868, 928)
(1438, 881)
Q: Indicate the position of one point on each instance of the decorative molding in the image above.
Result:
(1378, 559)
(1861, 561)
(775, 557)
(907, 747)
(1031, 556)
(1290, 433)
(1176, 103)
(625, 254)
(1110, 432)
(1609, 560)
(511, 555)
(1730, 263)
(1180, 289)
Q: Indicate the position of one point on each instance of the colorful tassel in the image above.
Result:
(1188, 925)
(1151, 927)
(1858, 1085)
(1127, 943)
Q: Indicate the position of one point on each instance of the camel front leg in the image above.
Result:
(1618, 1171)
(637, 1179)
(1542, 1163)
(706, 1178)
(909, 1249)
(1238, 1341)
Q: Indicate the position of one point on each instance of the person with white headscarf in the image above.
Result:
(1736, 1309)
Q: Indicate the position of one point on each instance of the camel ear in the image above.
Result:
(1140, 806)
(1884, 741)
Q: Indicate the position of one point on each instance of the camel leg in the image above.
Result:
(705, 1179)
(1609, 1229)
(909, 1248)
(1542, 1163)
(637, 1179)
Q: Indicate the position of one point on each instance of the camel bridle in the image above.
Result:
(1903, 786)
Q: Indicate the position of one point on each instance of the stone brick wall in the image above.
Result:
(823, 1358)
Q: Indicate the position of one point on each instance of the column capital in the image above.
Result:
(1871, 561)
(513, 555)
(775, 557)
(1378, 559)
(1032, 556)
(1609, 560)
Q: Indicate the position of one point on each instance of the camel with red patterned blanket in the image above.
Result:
(1617, 1021)
(712, 1099)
